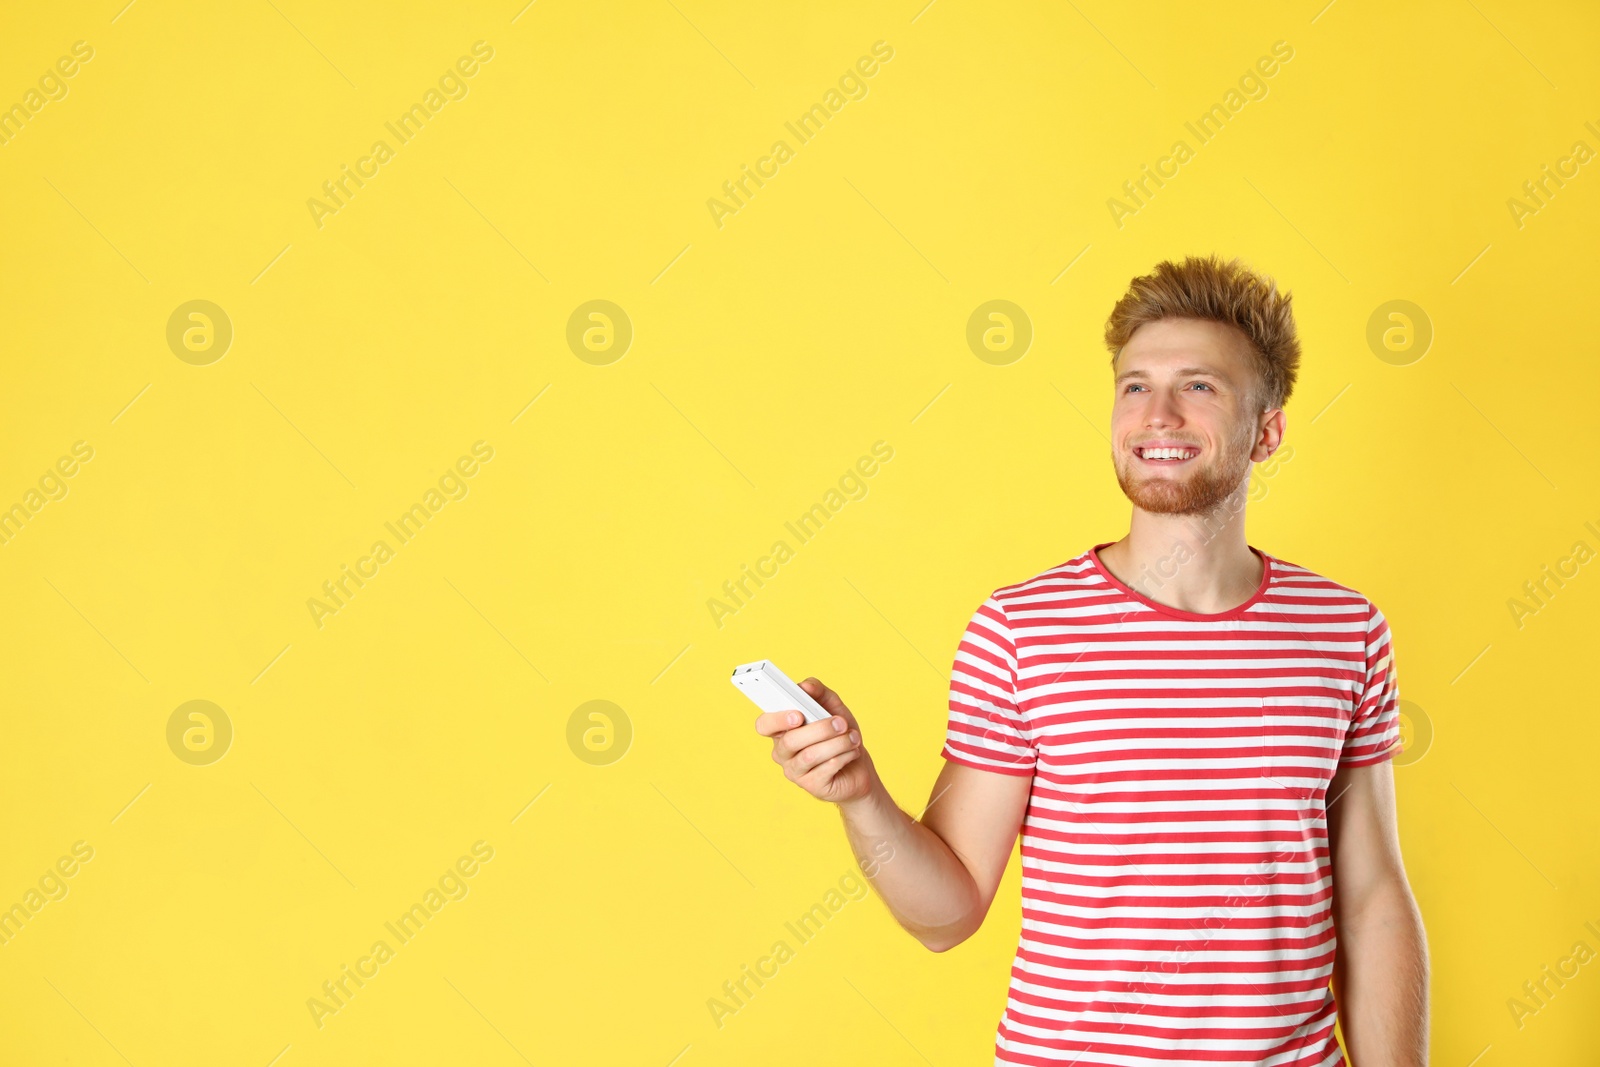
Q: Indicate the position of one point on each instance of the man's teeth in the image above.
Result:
(1169, 453)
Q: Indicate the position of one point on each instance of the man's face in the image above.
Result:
(1187, 383)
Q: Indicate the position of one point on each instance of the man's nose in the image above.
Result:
(1161, 410)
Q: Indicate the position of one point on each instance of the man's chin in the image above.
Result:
(1161, 503)
(1160, 496)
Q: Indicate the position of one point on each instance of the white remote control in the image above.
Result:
(771, 690)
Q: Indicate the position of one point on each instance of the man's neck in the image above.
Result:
(1190, 563)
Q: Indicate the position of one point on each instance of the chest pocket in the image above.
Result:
(1300, 744)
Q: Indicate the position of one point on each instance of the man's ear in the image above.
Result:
(1270, 437)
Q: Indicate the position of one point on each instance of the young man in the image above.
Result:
(1192, 736)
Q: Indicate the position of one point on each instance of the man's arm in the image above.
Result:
(1380, 970)
(938, 875)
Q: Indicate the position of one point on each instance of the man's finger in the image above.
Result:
(824, 696)
(820, 775)
(769, 723)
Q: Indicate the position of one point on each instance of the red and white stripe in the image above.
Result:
(1175, 869)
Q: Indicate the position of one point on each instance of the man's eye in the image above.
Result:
(1203, 383)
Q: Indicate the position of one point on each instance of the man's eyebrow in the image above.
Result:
(1181, 372)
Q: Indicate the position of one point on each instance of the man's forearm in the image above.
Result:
(1380, 982)
(927, 888)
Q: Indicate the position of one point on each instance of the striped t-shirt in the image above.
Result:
(1176, 883)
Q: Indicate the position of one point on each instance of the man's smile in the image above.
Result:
(1165, 454)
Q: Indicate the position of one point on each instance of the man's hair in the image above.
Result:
(1229, 293)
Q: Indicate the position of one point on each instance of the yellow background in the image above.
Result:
(768, 355)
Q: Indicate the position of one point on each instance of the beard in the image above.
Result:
(1198, 491)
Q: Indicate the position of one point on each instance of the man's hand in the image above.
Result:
(827, 758)
(937, 874)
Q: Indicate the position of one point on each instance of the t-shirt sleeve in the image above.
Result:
(1374, 733)
(985, 729)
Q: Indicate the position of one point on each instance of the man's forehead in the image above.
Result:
(1183, 347)
(1209, 370)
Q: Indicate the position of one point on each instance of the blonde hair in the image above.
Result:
(1230, 293)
